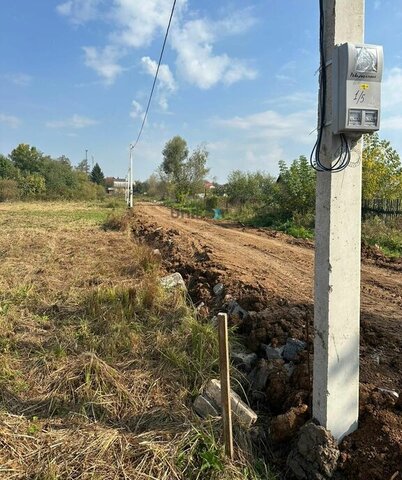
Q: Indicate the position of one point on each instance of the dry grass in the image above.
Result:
(98, 364)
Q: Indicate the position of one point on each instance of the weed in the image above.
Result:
(117, 220)
(107, 359)
(387, 235)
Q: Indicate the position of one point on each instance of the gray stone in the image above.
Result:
(218, 289)
(234, 309)
(315, 454)
(258, 377)
(244, 360)
(290, 368)
(204, 407)
(272, 353)
(392, 393)
(242, 412)
(292, 349)
(175, 280)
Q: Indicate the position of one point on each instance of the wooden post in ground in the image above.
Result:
(225, 383)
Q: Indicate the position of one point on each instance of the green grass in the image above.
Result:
(55, 215)
(97, 360)
(385, 234)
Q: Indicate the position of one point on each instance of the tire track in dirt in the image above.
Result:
(272, 274)
(284, 270)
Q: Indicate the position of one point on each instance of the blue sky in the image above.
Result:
(238, 76)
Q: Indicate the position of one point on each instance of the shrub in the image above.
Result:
(211, 203)
(8, 190)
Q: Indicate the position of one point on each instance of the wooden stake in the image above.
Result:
(225, 383)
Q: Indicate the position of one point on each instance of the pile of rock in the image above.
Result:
(209, 404)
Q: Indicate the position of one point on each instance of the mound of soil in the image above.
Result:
(275, 314)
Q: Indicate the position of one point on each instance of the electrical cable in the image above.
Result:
(345, 155)
(156, 76)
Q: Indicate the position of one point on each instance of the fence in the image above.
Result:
(382, 208)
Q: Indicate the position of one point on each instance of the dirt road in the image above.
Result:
(275, 265)
(271, 275)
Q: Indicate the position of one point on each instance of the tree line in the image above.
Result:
(290, 196)
(27, 173)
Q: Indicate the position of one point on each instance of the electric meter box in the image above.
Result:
(356, 81)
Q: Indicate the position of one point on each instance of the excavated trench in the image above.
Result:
(280, 390)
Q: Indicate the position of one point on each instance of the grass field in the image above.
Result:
(98, 364)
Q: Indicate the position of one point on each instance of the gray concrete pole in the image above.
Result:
(131, 178)
(337, 255)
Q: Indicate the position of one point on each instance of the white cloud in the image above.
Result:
(20, 79)
(137, 23)
(295, 98)
(392, 88)
(288, 73)
(236, 23)
(194, 44)
(137, 110)
(165, 76)
(270, 125)
(140, 21)
(10, 120)
(392, 123)
(79, 11)
(76, 121)
(166, 82)
(104, 62)
(392, 100)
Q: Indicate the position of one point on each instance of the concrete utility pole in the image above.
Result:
(131, 192)
(337, 254)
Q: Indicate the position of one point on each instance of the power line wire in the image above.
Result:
(156, 76)
(345, 154)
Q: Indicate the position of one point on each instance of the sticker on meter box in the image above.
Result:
(364, 86)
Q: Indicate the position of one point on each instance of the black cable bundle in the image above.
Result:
(345, 155)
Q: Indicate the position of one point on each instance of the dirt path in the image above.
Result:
(285, 270)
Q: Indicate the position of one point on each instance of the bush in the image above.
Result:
(386, 234)
(8, 190)
(211, 203)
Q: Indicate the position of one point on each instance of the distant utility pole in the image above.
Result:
(337, 254)
(131, 192)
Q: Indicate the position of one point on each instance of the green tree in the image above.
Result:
(192, 173)
(97, 175)
(32, 186)
(382, 170)
(154, 186)
(174, 154)
(296, 192)
(8, 169)
(83, 166)
(179, 174)
(61, 180)
(250, 187)
(27, 159)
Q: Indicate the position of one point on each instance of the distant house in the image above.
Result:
(116, 185)
(208, 186)
(120, 183)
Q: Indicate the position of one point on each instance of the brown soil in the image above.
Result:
(271, 275)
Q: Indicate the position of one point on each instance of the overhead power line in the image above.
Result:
(156, 75)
